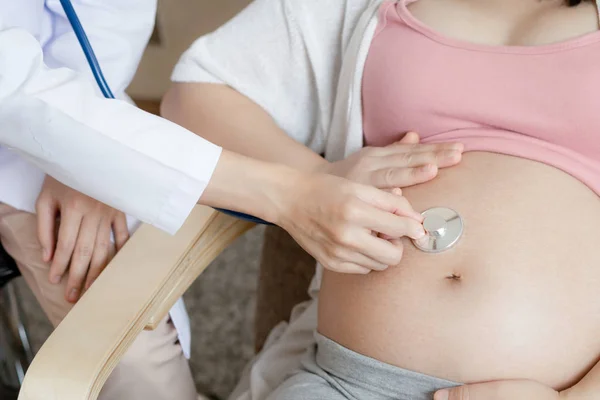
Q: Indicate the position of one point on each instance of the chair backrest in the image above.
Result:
(285, 274)
(7, 393)
(8, 268)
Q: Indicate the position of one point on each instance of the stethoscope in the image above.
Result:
(443, 226)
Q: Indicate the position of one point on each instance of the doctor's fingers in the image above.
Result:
(68, 231)
(82, 255)
(396, 226)
(388, 253)
(104, 251)
(120, 229)
(47, 212)
(353, 260)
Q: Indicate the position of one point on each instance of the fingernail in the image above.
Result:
(55, 279)
(46, 254)
(420, 235)
(73, 294)
(427, 168)
(442, 395)
(423, 242)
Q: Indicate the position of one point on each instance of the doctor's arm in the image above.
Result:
(78, 244)
(117, 30)
(156, 170)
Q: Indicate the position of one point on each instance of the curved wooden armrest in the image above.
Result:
(136, 290)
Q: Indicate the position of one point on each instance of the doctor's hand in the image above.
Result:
(74, 231)
(335, 220)
(400, 164)
(501, 390)
(344, 224)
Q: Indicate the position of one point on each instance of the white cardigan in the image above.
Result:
(302, 61)
(286, 55)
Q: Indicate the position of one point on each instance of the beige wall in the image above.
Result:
(179, 22)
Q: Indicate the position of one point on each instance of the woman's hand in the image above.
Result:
(401, 164)
(336, 220)
(501, 390)
(84, 244)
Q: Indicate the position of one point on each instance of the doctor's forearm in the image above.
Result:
(225, 117)
(250, 186)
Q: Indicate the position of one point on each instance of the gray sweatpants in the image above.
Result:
(332, 372)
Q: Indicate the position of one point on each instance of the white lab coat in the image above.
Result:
(53, 118)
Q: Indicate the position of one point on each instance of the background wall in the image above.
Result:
(179, 22)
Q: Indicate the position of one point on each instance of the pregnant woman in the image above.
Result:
(517, 82)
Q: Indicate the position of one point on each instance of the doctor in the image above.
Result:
(57, 131)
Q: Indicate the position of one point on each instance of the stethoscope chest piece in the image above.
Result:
(444, 227)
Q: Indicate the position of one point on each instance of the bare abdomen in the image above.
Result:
(516, 298)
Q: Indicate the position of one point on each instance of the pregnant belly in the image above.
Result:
(517, 297)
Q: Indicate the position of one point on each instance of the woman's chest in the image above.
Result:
(505, 22)
(420, 79)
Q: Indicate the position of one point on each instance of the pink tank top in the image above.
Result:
(536, 102)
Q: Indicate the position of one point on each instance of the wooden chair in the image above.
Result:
(137, 290)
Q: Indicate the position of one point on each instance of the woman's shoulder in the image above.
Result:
(334, 10)
(319, 17)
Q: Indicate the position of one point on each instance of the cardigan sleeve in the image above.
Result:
(284, 55)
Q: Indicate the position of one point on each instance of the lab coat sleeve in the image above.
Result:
(285, 55)
(139, 163)
(118, 30)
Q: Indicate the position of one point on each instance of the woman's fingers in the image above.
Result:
(407, 166)
(410, 168)
(403, 147)
(439, 157)
(82, 255)
(410, 138)
(403, 177)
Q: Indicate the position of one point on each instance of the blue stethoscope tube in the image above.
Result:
(88, 51)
